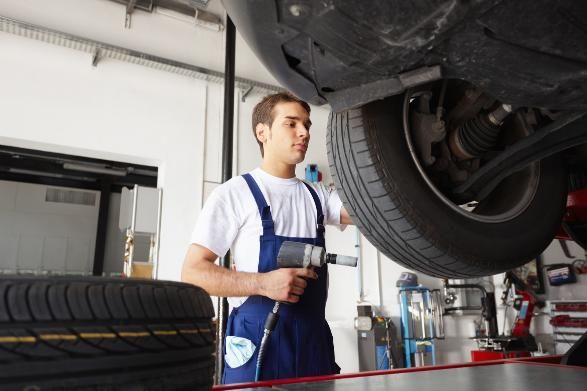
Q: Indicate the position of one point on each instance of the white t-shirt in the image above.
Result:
(230, 217)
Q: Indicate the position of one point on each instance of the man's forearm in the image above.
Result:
(285, 284)
(218, 281)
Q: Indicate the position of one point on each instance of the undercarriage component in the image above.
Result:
(479, 134)
(565, 132)
(429, 128)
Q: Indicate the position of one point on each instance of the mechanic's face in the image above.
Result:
(286, 141)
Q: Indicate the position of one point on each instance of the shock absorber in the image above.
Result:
(478, 135)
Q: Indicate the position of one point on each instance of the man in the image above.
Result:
(252, 215)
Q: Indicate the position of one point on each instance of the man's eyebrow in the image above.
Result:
(307, 123)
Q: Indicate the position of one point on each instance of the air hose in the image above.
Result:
(270, 323)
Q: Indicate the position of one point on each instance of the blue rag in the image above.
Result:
(238, 351)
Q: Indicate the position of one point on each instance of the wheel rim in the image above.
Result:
(507, 201)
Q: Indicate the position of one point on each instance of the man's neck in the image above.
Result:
(280, 170)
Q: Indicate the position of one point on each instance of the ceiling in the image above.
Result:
(191, 8)
(183, 6)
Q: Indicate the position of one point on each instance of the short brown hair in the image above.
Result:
(263, 111)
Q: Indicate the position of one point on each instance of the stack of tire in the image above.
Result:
(104, 334)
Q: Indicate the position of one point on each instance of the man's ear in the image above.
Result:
(262, 132)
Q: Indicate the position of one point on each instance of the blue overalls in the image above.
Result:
(301, 344)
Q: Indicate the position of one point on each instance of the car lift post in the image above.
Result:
(227, 137)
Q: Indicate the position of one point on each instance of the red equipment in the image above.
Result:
(488, 355)
(524, 303)
(520, 343)
(573, 225)
(568, 321)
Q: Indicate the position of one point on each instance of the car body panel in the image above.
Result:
(348, 53)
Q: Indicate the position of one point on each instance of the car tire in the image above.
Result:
(107, 334)
(395, 209)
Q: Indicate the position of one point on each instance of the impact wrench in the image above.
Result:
(296, 255)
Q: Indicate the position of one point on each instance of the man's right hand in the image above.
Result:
(286, 284)
(281, 284)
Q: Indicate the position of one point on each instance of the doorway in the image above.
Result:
(59, 214)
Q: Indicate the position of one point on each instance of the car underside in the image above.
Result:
(457, 128)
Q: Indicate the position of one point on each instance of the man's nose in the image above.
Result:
(303, 132)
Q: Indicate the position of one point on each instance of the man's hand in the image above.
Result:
(286, 284)
(345, 218)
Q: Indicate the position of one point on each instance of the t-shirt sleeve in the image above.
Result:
(333, 204)
(217, 224)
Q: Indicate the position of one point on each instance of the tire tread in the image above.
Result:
(84, 324)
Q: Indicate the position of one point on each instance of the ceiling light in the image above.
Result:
(34, 172)
(95, 169)
(50, 174)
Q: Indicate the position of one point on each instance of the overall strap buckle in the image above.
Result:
(319, 212)
(320, 228)
(264, 209)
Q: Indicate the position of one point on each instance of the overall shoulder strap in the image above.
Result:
(320, 214)
(264, 209)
